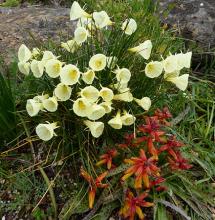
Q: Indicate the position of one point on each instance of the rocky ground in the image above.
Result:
(194, 19)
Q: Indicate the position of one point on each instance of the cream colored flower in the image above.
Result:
(80, 35)
(125, 96)
(154, 69)
(24, 68)
(183, 60)
(24, 54)
(50, 104)
(37, 68)
(85, 22)
(63, 92)
(69, 74)
(170, 64)
(33, 107)
(143, 49)
(129, 26)
(35, 52)
(77, 12)
(121, 87)
(123, 75)
(101, 19)
(127, 119)
(96, 128)
(145, 103)
(46, 131)
(81, 107)
(98, 62)
(40, 98)
(168, 76)
(96, 112)
(181, 82)
(107, 106)
(90, 93)
(106, 94)
(48, 55)
(111, 62)
(116, 122)
(88, 76)
(71, 46)
(53, 68)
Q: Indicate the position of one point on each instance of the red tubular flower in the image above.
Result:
(163, 115)
(133, 205)
(152, 127)
(128, 141)
(142, 168)
(179, 162)
(171, 145)
(94, 184)
(107, 158)
(156, 182)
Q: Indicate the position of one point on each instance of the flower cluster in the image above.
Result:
(93, 101)
(154, 153)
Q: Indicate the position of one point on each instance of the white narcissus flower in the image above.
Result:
(96, 128)
(96, 112)
(116, 122)
(37, 68)
(121, 87)
(90, 93)
(129, 26)
(170, 64)
(107, 106)
(24, 68)
(77, 12)
(184, 60)
(69, 74)
(123, 75)
(125, 96)
(24, 54)
(81, 107)
(111, 62)
(50, 104)
(101, 19)
(85, 22)
(80, 35)
(33, 107)
(40, 98)
(106, 94)
(98, 62)
(88, 76)
(181, 82)
(63, 92)
(53, 68)
(154, 69)
(48, 55)
(35, 52)
(145, 103)
(127, 119)
(168, 76)
(46, 131)
(71, 46)
(143, 49)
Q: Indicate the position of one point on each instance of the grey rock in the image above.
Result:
(194, 19)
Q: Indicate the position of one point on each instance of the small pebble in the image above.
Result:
(201, 4)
